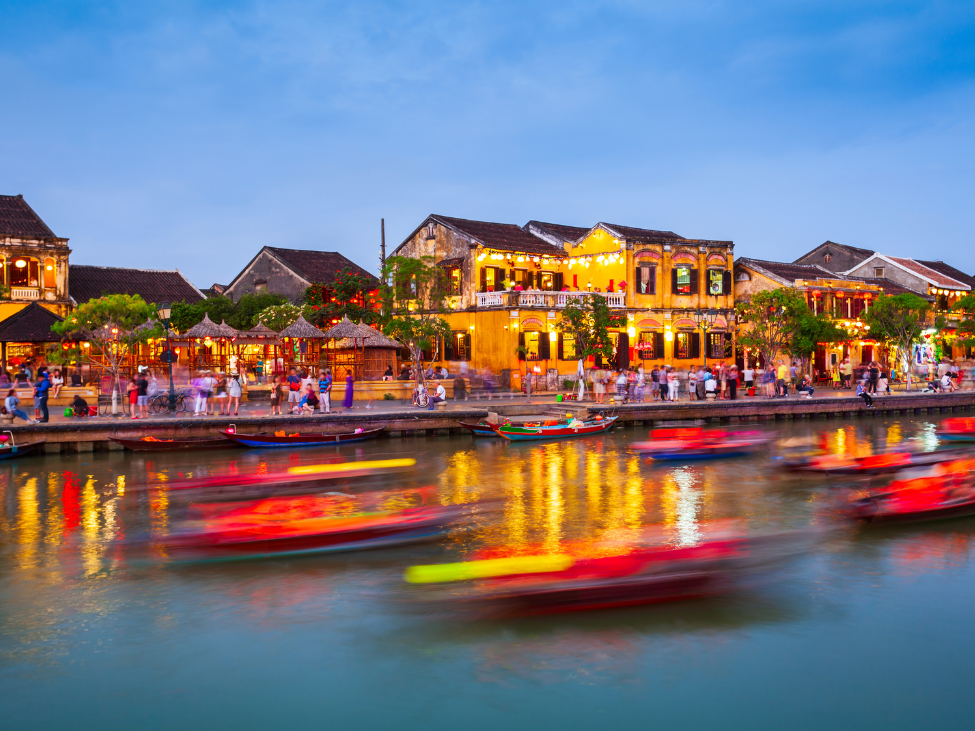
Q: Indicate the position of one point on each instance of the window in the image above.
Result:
(683, 280)
(716, 281)
(50, 280)
(522, 277)
(567, 347)
(534, 345)
(22, 272)
(878, 272)
(646, 280)
(546, 281)
(687, 345)
(716, 347)
(491, 278)
(650, 345)
(453, 280)
(458, 347)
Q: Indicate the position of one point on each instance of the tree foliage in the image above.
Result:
(413, 294)
(588, 319)
(772, 319)
(350, 295)
(240, 315)
(278, 317)
(112, 325)
(811, 330)
(899, 320)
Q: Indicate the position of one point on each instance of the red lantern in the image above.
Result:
(816, 293)
(840, 295)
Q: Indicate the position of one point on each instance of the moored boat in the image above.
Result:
(11, 450)
(480, 429)
(152, 444)
(574, 428)
(282, 440)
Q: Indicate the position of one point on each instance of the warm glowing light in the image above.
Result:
(553, 336)
(668, 335)
(485, 569)
(20, 263)
(315, 469)
(631, 331)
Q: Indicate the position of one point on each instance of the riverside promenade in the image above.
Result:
(93, 434)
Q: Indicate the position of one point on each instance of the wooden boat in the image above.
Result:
(957, 429)
(151, 444)
(670, 445)
(841, 464)
(480, 429)
(281, 440)
(945, 491)
(524, 433)
(10, 450)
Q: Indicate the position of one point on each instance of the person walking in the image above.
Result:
(325, 391)
(294, 390)
(673, 383)
(655, 383)
(132, 396)
(220, 396)
(349, 380)
(277, 393)
(42, 391)
(782, 376)
(846, 371)
(733, 383)
(621, 387)
(12, 404)
(234, 392)
(874, 376)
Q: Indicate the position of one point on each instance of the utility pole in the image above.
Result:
(382, 247)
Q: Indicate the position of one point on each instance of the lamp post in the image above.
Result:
(705, 321)
(164, 313)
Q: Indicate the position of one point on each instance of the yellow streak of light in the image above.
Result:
(317, 469)
(28, 524)
(91, 551)
(485, 569)
(54, 524)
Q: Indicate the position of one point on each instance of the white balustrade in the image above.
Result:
(18, 293)
(532, 299)
(490, 299)
(545, 299)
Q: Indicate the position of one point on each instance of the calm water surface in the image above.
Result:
(869, 631)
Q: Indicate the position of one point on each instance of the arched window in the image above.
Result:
(50, 273)
(22, 271)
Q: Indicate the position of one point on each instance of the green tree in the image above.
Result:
(278, 317)
(413, 292)
(899, 320)
(771, 319)
(350, 295)
(112, 325)
(809, 331)
(240, 315)
(249, 306)
(587, 320)
(965, 330)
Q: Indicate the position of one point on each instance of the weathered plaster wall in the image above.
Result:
(279, 279)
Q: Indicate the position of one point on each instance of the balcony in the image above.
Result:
(25, 293)
(544, 300)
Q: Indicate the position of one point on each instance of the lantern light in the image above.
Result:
(20, 263)
(631, 331)
(553, 336)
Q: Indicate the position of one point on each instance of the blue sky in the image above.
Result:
(185, 134)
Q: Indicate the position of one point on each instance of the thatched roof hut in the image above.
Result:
(226, 331)
(348, 329)
(376, 340)
(260, 334)
(206, 328)
(302, 329)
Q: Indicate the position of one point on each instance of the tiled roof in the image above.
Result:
(861, 254)
(30, 325)
(88, 282)
(889, 286)
(949, 271)
(643, 234)
(942, 280)
(501, 236)
(319, 267)
(566, 233)
(18, 219)
(787, 272)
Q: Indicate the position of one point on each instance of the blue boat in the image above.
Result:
(559, 431)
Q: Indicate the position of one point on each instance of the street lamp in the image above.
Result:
(705, 321)
(164, 312)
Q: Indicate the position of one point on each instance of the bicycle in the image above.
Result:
(159, 404)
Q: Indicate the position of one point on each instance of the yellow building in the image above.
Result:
(509, 284)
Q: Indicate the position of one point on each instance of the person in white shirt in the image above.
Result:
(946, 384)
(749, 374)
(439, 395)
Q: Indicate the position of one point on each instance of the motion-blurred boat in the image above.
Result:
(699, 444)
(283, 440)
(957, 429)
(309, 524)
(559, 430)
(842, 464)
(152, 444)
(551, 583)
(939, 492)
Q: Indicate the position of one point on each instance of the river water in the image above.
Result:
(870, 630)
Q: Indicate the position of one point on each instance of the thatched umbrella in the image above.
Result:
(378, 352)
(264, 336)
(206, 328)
(349, 331)
(226, 331)
(307, 349)
(302, 329)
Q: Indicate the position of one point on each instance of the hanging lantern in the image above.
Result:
(841, 295)
(816, 293)
(207, 342)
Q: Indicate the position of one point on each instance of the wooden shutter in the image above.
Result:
(521, 344)
(651, 276)
(483, 279)
(695, 344)
(544, 346)
(448, 347)
(695, 280)
(561, 348)
(559, 282)
(673, 280)
(638, 279)
(467, 346)
(658, 346)
(726, 282)
(623, 351)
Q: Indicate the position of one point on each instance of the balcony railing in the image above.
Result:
(24, 293)
(545, 300)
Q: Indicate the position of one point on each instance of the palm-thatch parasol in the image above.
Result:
(348, 329)
(260, 334)
(206, 328)
(301, 329)
(225, 330)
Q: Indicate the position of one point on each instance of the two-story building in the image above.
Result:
(509, 284)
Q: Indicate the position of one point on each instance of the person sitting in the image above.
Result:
(946, 385)
(439, 395)
(12, 404)
(806, 386)
(309, 401)
(862, 393)
(710, 387)
(76, 379)
(388, 375)
(404, 374)
(79, 406)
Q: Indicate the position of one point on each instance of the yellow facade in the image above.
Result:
(511, 296)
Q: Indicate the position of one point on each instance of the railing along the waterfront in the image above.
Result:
(543, 299)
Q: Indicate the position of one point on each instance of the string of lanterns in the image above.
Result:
(606, 259)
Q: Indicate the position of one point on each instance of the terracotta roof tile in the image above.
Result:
(18, 219)
(501, 236)
(631, 233)
(937, 277)
(949, 271)
(319, 267)
(88, 282)
(566, 233)
(789, 272)
(30, 325)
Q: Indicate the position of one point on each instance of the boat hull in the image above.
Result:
(269, 441)
(528, 434)
(176, 445)
(20, 450)
(479, 430)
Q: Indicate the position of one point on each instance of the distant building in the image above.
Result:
(290, 272)
(834, 257)
(33, 261)
(912, 274)
(153, 285)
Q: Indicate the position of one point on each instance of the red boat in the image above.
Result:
(281, 440)
(310, 524)
(842, 464)
(943, 491)
(957, 429)
(544, 584)
(151, 444)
